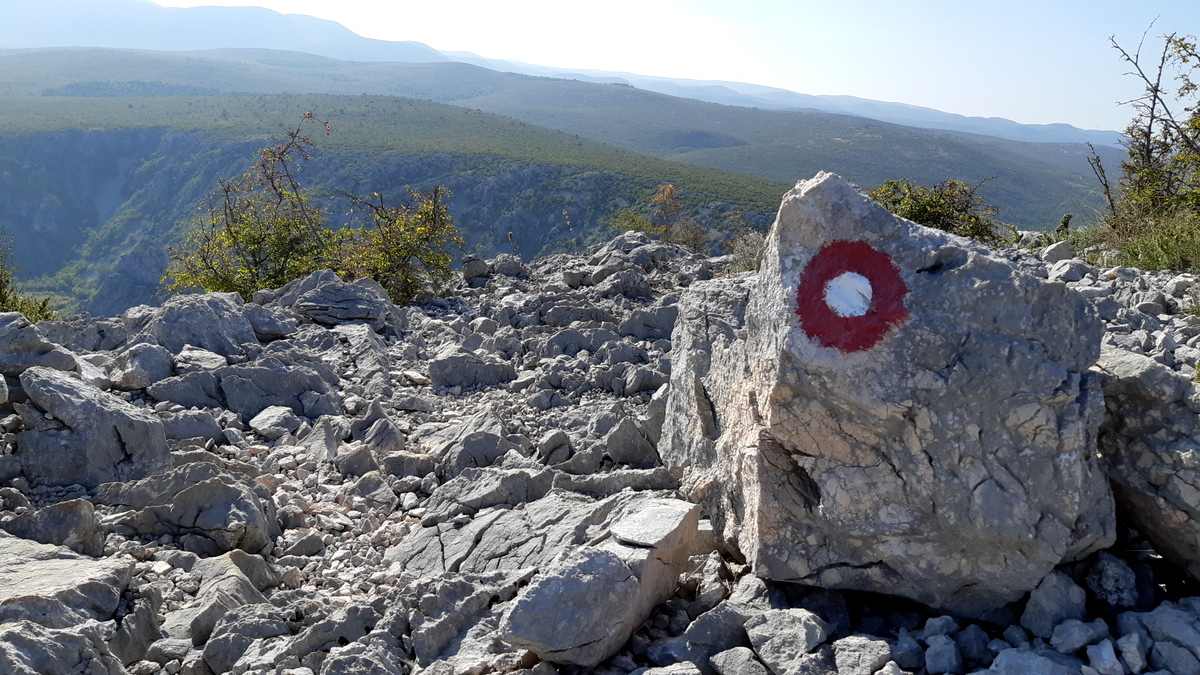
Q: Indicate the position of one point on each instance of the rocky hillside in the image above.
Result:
(888, 451)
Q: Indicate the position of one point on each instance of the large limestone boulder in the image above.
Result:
(213, 321)
(51, 586)
(22, 345)
(27, 648)
(885, 407)
(90, 437)
(584, 607)
(325, 299)
(1149, 442)
(206, 509)
(251, 388)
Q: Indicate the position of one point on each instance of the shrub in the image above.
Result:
(1153, 211)
(34, 309)
(265, 231)
(952, 206)
(665, 222)
(627, 220)
(405, 248)
(746, 249)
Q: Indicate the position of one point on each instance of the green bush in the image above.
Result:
(405, 249)
(1153, 215)
(627, 220)
(34, 309)
(666, 221)
(952, 206)
(265, 231)
(746, 247)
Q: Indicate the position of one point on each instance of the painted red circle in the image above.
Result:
(850, 333)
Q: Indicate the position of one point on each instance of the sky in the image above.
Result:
(1033, 61)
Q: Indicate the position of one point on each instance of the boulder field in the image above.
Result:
(888, 450)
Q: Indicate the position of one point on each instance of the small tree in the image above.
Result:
(406, 248)
(1153, 210)
(666, 220)
(34, 309)
(952, 206)
(628, 219)
(263, 231)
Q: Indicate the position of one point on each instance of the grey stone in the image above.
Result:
(1069, 270)
(333, 302)
(275, 421)
(214, 322)
(1072, 635)
(141, 365)
(1023, 662)
(1112, 581)
(1133, 648)
(27, 648)
(717, 630)
(564, 619)
(509, 265)
(269, 323)
(1103, 658)
(860, 655)
(237, 628)
(833, 454)
(1147, 441)
(942, 655)
(55, 587)
(972, 643)
(939, 625)
(190, 359)
(473, 267)
(1174, 659)
(137, 630)
(190, 424)
(249, 389)
(783, 637)
(23, 346)
(207, 510)
(1057, 251)
(1056, 599)
(558, 616)
(71, 523)
(454, 367)
(94, 437)
(737, 661)
(908, 652)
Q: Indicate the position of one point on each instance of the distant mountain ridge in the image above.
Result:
(773, 98)
(1033, 184)
(141, 24)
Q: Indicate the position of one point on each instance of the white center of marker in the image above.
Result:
(848, 294)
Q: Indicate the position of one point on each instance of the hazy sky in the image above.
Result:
(1028, 60)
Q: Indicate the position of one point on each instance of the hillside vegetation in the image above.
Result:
(100, 187)
(1032, 184)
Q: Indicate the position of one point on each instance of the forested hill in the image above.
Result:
(1033, 184)
(97, 187)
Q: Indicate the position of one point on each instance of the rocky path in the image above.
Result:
(954, 461)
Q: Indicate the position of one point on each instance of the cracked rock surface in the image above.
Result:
(621, 461)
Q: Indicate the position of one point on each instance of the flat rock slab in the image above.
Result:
(54, 587)
(653, 523)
